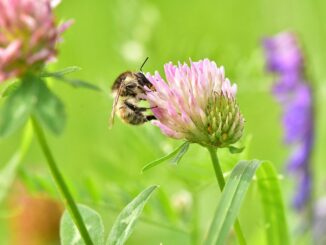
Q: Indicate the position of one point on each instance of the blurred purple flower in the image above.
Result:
(28, 36)
(197, 103)
(283, 53)
(293, 92)
(303, 192)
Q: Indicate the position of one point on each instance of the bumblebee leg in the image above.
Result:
(136, 108)
(145, 108)
(130, 105)
(150, 117)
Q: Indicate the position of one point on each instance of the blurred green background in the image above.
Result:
(103, 166)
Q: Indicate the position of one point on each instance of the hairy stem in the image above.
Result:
(62, 186)
(221, 183)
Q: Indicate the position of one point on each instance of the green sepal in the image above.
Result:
(235, 150)
(181, 152)
(175, 155)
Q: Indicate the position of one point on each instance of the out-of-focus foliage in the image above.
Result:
(103, 167)
(69, 233)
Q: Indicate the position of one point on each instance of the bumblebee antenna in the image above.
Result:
(141, 68)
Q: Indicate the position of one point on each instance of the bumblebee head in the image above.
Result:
(143, 81)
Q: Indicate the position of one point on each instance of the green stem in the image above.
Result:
(221, 183)
(71, 205)
(195, 220)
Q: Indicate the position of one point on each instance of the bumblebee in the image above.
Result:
(128, 90)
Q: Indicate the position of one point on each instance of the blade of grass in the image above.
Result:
(221, 182)
(233, 195)
(231, 200)
(272, 203)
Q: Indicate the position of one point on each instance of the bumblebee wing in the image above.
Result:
(114, 107)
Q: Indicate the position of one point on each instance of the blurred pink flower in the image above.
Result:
(197, 103)
(28, 36)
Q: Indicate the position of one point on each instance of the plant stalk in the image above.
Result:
(61, 184)
(221, 183)
(195, 220)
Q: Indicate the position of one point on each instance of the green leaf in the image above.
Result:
(76, 83)
(179, 152)
(10, 89)
(49, 110)
(32, 97)
(8, 173)
(231, 200)
(69, 234)
(125, 222)
(235, 150)
(183, 150)
(67, 70)
(273, 207)
(18, 106)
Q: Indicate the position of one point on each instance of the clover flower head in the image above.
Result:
(196, 103)
(28, 36)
